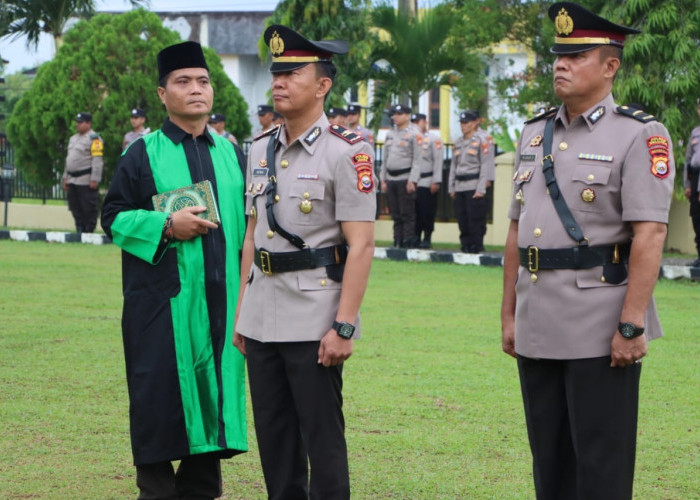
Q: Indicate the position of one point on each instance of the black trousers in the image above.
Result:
(695, 208)
(198, 477)
(426, 208)
(297, 407)
(582, 425)
(471, 219)
(82, 202)
(402, 207)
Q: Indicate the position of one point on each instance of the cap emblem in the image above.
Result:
(563, 23)
(276, 44)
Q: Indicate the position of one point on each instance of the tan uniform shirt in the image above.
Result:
(430, 163)
(365, 133)
(131, 136)
(612, 170)
(489, 155)
(337, 178)
(402, 150)
(692, 157)
(470, 156)
(84, 151)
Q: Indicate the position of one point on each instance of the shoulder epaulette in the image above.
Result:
(346, 134)
(637, 114)
(94, 135)
(273, 130)
(544, 114)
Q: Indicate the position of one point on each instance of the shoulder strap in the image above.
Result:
(567, 219)
(637, 114)
(346, 134)
(271, 191)
(544, 114)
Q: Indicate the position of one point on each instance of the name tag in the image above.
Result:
(527, 157)
(260, 172)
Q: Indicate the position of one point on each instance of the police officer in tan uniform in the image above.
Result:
(306, 259)
(469, 174)
(83, 173)
(353, 123)
(217, 121)
(488, 149)
(138, 127)
(691, 183)
(337, 116)
(592, 191)
(400, 174)
(429, 182)
(266, 117)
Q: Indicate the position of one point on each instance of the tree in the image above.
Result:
(34, 17)
(412, 54)
(106, 66)
(16, 85)
(330, 19)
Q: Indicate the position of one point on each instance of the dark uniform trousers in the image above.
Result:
(471, 219)
(297, 407)
(694, 174)
(198, 477)
(426, 208)
(82, 202)
(582, 424)
(402, 207)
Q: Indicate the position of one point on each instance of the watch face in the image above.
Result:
(346, 330)
(630, 331)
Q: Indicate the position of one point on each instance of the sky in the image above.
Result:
(21, 57)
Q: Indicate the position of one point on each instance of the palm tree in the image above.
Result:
(413, 54)
(34, 17)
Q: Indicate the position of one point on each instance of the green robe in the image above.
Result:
(186, 381)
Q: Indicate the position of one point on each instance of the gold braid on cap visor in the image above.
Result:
(306, 59)
(587, 40)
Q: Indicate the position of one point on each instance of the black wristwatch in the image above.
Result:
(630, 330)
(345, 330)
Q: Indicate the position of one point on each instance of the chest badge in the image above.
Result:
(536, 141)
(306, 206)
(263, 163)
(588, 195)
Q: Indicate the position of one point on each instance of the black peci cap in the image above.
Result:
(181, 55)
(138, 113)
(264, 109)
(216, 118)
(468, 116)
(291, 51)
(83, 117)
(579, 29)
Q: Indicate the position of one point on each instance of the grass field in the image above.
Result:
(433, 408)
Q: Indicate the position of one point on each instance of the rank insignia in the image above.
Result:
(659, 152)
(253, 213)
(313, 135)
(536, 141)
(519, 196)
(250, 187)
(588, 195)
(525, 176)
(597, 114)
(259, 187)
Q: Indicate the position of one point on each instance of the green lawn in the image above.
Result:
(433, 408)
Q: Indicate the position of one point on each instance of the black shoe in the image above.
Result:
(695, 263)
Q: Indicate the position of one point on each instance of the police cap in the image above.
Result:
(416, 117)
(264, 109)
(216, 118)
(138, 113)
(579, 30)
(399, 108)
(83, 117)
(291, 51)
(354, 109)
(332, 112)
(468, 116)
(180, 55)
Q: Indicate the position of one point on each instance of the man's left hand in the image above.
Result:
(477, 195)
(624, 352)
(93, 185)
(434, 188)
(334, 349)
(410, 187)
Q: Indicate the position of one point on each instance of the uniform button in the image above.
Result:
(590, 177)
(284, 163)
(563, 146)
(323, 282)
(306, 196)
(277, 198)
(533, 277)
(602, 279)
(270, 233)
(537, 232)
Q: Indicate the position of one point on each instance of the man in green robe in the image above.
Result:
(180, 279)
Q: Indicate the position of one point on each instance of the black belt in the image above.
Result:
(466, 177)
(308, 258)
(78, 173)
(400, 171)
(582, 257)
(423, 175)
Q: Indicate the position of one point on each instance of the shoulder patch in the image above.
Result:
(270, 132)
(96, 147)
(347, 135)
(637, 114)
(544, 114)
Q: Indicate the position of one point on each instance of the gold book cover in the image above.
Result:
(200, 194)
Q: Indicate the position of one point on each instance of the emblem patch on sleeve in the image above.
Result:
(659, 152)
(96, 148)
(363, 167)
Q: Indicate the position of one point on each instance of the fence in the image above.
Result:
(445, 207)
